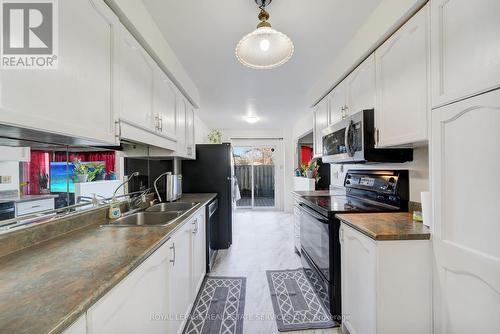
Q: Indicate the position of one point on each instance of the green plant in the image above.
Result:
(97, 169)
(43, 180)
(80, 169)
(215, 137)
(311, 166)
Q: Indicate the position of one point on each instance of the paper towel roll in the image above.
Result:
(425, 197)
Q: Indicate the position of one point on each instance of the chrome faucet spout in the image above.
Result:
(125, 182)
(156, 181)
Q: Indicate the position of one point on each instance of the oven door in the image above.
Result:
(315, 239)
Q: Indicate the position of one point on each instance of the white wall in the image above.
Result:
(418, 169)
(385, 19)
(201, 131)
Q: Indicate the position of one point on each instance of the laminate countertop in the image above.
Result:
(387, 226)
(46, 287)
(27, 198)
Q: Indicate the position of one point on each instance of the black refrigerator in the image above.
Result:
(212, 172)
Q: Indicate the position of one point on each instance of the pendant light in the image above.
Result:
(265, 47)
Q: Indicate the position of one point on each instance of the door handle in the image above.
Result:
(173, 252)
(195, 223)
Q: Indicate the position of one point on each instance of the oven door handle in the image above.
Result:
(316, 216)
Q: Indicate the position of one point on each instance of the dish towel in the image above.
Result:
(236, 190)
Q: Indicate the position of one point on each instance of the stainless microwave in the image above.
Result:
(352, 140)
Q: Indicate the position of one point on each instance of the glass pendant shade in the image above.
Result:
(264, 48)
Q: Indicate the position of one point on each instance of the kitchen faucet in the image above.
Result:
(125, 182)
(156, 181)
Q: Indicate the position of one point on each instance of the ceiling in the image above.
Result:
(203, 35)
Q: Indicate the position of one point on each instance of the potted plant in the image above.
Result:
(98, 173)
(311, 170)
(215, 137)
(81, 171)
(43, 181)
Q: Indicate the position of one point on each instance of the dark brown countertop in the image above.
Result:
(387, 226)
(46, 287)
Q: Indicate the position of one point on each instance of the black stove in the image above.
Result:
(365, 191)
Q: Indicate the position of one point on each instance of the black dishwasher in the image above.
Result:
(212, 219)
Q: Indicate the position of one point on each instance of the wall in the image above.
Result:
(418, 168)
(201, 131)
(10, 168)
(385, 19)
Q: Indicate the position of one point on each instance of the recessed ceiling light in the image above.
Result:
(265, 47)
(252, 119)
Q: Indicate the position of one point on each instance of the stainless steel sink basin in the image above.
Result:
(172, 207)
(146, 219)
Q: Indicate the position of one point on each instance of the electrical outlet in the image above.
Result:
(5, 179)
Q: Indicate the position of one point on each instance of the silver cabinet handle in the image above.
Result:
(173, 251)
(195, 223)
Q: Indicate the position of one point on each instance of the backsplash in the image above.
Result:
(418, 169)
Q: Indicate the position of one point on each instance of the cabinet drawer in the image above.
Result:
(25, 208)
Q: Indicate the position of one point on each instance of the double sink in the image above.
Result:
(160, 215)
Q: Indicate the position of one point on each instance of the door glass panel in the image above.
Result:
(255, 172)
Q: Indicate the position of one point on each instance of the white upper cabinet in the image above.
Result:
(402, 84)
(164, 105)
(190, 146)
(75, 99)
(465, 138)
(320, 120)
(181, 111)
(360, 87)
(465, 48)
(337, 100)
(137, 75)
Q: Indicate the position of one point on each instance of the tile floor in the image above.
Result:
(262, 240)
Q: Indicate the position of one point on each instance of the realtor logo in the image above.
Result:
(29, 34)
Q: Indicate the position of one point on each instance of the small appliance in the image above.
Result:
(352, 140)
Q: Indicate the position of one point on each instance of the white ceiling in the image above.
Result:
(204, 33)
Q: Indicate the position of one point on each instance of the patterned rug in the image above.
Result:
(219, 307)
(296, 305)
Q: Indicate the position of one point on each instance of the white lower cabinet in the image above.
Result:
(386, 285)
(158, 295)
(199, 250)
(78, 327)
(131, 306)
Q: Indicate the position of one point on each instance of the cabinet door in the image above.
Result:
(137, 73)
(199, 251)
(180, 289)
(465, 138)
(465, 48)
(75, 99)
(358, 281)
(190, 147)
(402, 84)
(360, 87)
(78, 327)
(296, 227)
(320, 123)
(164, 104)
(338, 103)
(181, 124)
(131, 306)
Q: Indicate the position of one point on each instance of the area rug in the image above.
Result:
(296, 305)
(219, 307)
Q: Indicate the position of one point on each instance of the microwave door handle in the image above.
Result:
(347, 142)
